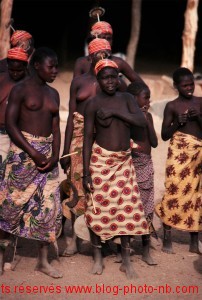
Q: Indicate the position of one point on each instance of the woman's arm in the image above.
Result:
(151, 131)
(89, 119)
(65, 162)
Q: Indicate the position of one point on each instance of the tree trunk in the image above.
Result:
(189, 34)
(5, 16)
(135, 32)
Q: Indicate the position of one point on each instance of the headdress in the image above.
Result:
(96, 12)
(101, 27)
(98, 45)
(18, 36)
(17, 53)
(103, 63)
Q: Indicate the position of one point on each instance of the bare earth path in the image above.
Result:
(177, 276)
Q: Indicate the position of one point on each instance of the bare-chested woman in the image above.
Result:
(17, 67)
(20, 39)
(181, 205)
(82, 89)
(103, 30)
(115, 208)
(29, 194)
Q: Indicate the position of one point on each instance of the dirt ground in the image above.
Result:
(177, 276)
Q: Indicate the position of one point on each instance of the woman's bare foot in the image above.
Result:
(48, 270)
(15, 262)
(71, 249)
(97, 268)
(167, 241)
(167, 247)
(126, 265)
(43, 264)
(149, 260)
(146, 257)
(98, 260)
(129, 270)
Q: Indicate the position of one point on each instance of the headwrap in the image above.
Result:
(98, 45)
(19, 35)
(101, 27)
(103, 63)
(17, 53)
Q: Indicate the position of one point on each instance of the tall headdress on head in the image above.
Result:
(100, 26)
(98, 45)
(103, 63)
(19, 35)
(17, 53)
(96, 13)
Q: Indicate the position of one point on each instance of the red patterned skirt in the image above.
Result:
(119, 210)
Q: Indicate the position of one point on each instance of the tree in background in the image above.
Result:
(135, 32)
(5, 17)
(189, 34)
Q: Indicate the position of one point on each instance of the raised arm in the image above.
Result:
(127, 71)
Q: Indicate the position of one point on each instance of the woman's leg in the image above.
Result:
(97, 254)
(126, 265)
(43, 264)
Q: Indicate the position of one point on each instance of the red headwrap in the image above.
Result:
(17, 53)
(19, 35)
(101, 27)
(98, 45)
(103, 63)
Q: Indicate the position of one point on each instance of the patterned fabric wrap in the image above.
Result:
(103, 63)
(19, 35)
(4, 148)
(145, 178)
(181, 206)
(17, 53)
(98, 45)
(119, 210)
(4, 145)
(76, 170)
(101, 27)
(29, 200)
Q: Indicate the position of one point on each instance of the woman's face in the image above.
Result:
(108, 80)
